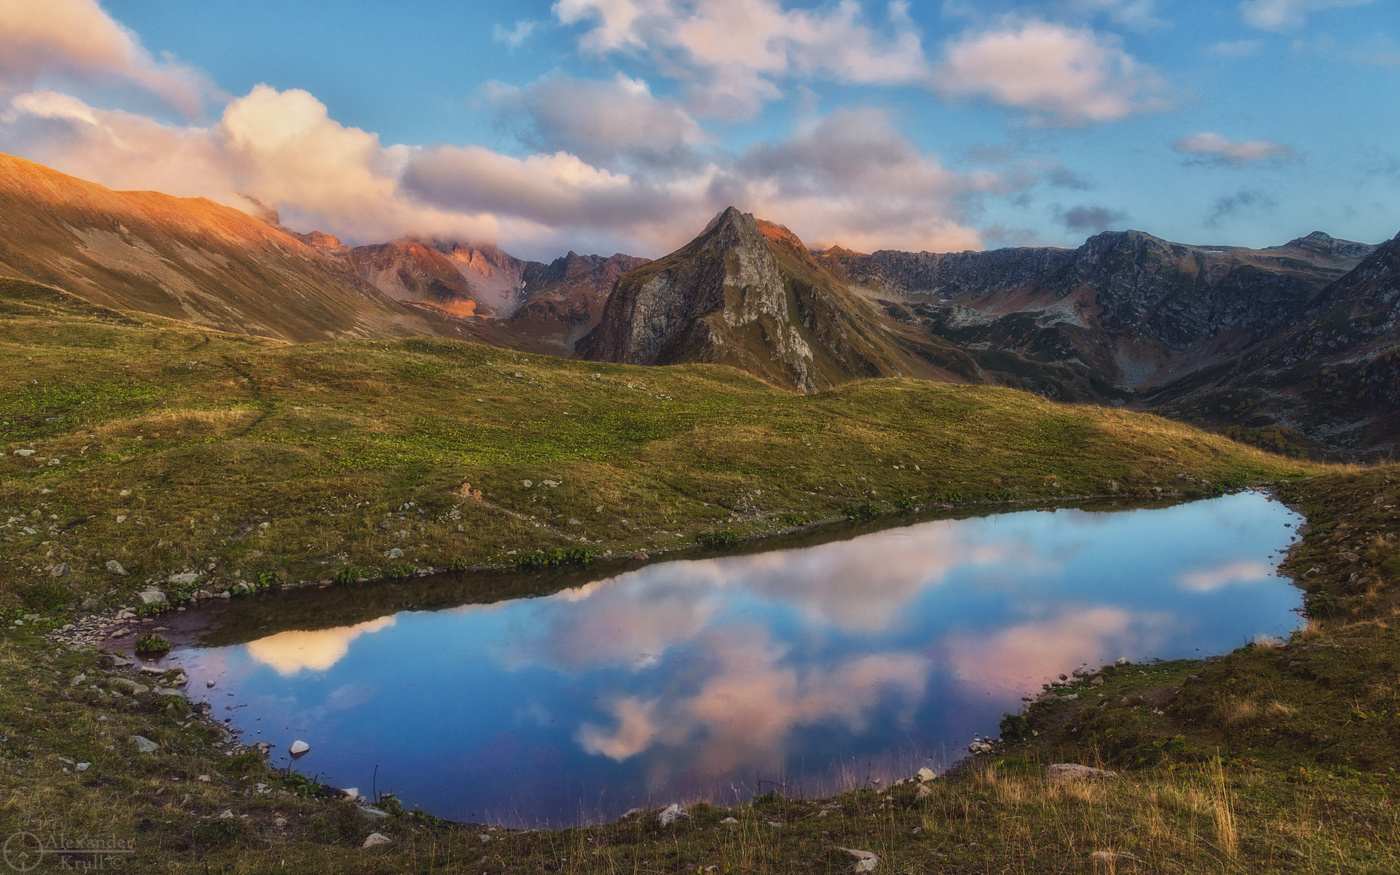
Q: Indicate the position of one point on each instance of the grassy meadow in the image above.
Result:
(169, 449)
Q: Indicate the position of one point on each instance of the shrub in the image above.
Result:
(152, 645)
(579, 556)
(714, 540)
(862, 512)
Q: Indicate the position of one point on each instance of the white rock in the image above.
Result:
(395, 553)
(926, 774)
(83, 767)
(151, 597)
(116, 568)
(351, 792)
(1075, 772)
(865, 861)
(671, 813)
(299, 747)
(1122, 660)
(183, 579)
(729, 820)
(923, 792)
(376, 838)
(145, 745)
(25, 453)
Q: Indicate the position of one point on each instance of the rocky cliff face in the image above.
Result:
(747, 294)
(564, 299)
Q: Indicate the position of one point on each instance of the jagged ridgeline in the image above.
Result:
(748, 293)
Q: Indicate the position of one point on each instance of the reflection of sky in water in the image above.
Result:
(707, 677)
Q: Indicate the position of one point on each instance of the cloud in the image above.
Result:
(732, 53)
(514, 36)
(1250, 201)
(1212, 148)
(1061, 75)
(75, 41)
(1279, 15)
(290, 652)
(1133, 14)
(851, 178)
(1090, 219)
(600, 121)
(1212, 579)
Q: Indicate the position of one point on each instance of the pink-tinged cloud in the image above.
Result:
(1288, 14)
(1211, 579)
(1216, 149)
(1020, 658)
(290, 652)
(731, 54)
(76, 41)
(1060, 75)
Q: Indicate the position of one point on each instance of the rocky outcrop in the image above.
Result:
(564, 299)
(748, 294)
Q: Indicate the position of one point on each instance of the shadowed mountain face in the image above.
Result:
(749, 294)
(182, 258)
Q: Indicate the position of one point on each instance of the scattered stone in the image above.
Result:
(130, 685)
(372, 813)
(83, 767)
(280, 823)
(89, 604)
(144, 744)
(1098, 681)
(631, 812)
(923, 792)
(395, 553)
(77, 681)
(376, 838)
(865, 861)
(25, 453)
(671, 813)
(1075, 772)
(202, 594)
(116, 568)
(183, 579)
(730, 820)
(1122, 661)
(203, 779)
(151, 597)
(299, 748)
(351, 792)
(1349, 557)
(209, 684)
(59, 570)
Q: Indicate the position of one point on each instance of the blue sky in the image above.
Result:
(624, 125)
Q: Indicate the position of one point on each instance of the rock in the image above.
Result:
(77, 681)
(59, 570)
(227, 814)
(209, 684)
(395, 553)
(351, 792)
(371, 813)
(145, 745)
(376, 838)
(865, 861)
(1098, 681)
(1348, 557)
(299, 748)
(183, 579)
(130, 685)
(671, 813)
(280, 823)
(526, 483)
(1122, 661)
(730, 820)
(1075, 772)
(203, 779)
(89, 604)
(202, 594)
(923, 792)
(116, 568)
(151, 597)
(83, 767)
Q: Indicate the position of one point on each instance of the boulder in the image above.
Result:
(151, 597)
(671, 813)
(183, 579)
(376, 838)
(116, 568)
(144, 744)
(1075, 772)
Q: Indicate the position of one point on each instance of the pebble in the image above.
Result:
(299, 747)
(865, 861)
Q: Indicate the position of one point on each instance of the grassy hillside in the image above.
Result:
(168, 449)
(1275, 758)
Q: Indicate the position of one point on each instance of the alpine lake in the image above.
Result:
(805, 664)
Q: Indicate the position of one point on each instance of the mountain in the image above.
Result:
(564, 299)
(748, 294)
(184, 258)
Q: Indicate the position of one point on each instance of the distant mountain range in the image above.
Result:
(1294, 347)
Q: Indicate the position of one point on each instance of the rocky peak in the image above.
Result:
(1326, 244)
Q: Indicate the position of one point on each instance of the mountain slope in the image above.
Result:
(183, 258)
(564, 299)
(748, 294)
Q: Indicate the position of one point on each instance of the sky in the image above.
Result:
(625, 125)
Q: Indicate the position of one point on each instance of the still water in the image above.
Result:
(804, 670)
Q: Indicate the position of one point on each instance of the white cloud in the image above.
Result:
(600, 121)
(1279, 15)
(290, 652)
(514, 36)
(1211, 579)
(1215, 149)
(732, 53)
(76, 41)
(1061, 75)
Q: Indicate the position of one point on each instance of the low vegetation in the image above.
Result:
(239, 461)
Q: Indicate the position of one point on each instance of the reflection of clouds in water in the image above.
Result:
(861, 585)
(1019, 658)
(290, 652)
(743, 712)
(1211, 579)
